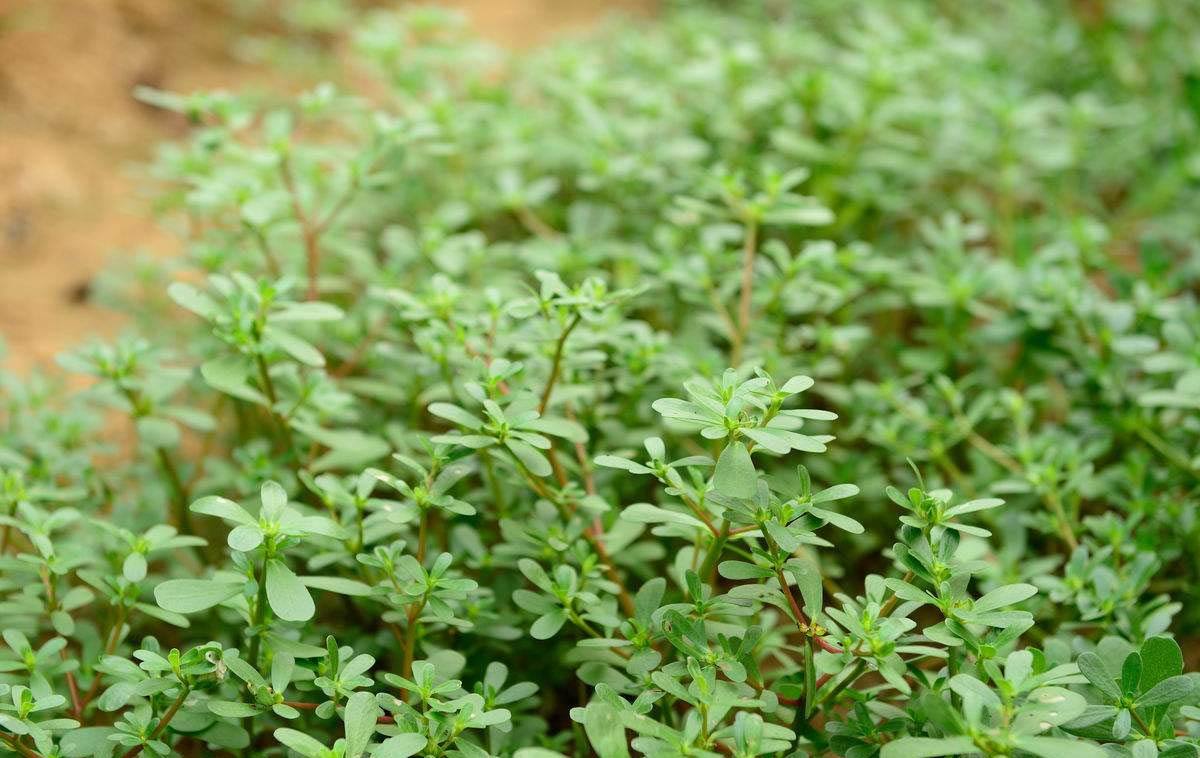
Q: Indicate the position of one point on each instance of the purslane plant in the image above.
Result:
(757, 381)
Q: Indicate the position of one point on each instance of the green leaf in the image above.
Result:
(228, 374)
(245, 537)
(836, 492)
(644, 513)
(735, 475)
(1131, 673)
(134, 567)
(1161, 659)
(222, 508)
(274, 500)
(1168, 690)
(1094, 670)
(529, 457)
(558, 427)
(307, 311)
(456, 415)
(808, 579)
(348, 448)
(298, 348)
(1004, 596)
(360, 717)
(1048, 707)
(400, 746)
(547, 625)
(194, 595)
(337, 584)
(187, 296)
(300, 742)
(286, 594)
(1056, 747)
(233, 710)
(738, 570)
(927, 747)
(969, 687)
(86, 742)
(605, 731)
(797, 384)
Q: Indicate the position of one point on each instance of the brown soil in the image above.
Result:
(72, 137)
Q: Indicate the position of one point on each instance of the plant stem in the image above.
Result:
(1165, 449)
(749, 253)
(114, 637)
(702, 514)
(590, 534)
(556, 365)
(534, 223)
(410, 637)
(309, 233)
(708, 569)
(1146, 730)
(256, 622)
(810, 679)
(182, 516)
(855, 671)
(14, 742)
(162, 722)
(802, 622)
(264, 375)
(1060, 515)
(422, 535)
(493, 483)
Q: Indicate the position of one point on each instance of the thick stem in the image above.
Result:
(14, 742)
(802, 622)
(259, 616)
(422, 535)
(708, 569)
(810, 679)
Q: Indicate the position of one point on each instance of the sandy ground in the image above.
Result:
(73, 139)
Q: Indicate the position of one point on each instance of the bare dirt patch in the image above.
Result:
(72, 137)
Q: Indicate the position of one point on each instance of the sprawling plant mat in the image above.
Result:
(818, 378)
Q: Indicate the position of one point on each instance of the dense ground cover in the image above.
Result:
(784, 381)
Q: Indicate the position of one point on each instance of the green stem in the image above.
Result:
(259, 616)
(855, 672)
(162, 722)
(810, 679)
(264, 375)
(708, 569)
(13, 741)
(556, 365)
(749, 253)
(410, 637)
(182, 515)
(1146, 730)
(1165, 449)
(1060, 515)
(493, 483)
